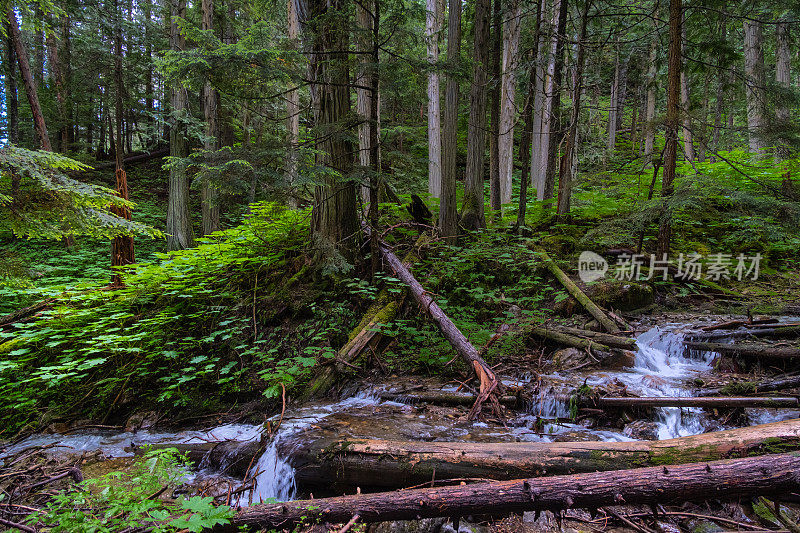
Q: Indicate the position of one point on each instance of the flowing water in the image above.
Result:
(661, 367)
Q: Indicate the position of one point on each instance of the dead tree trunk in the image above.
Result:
(746, 350)
(727, 402)
(490, 386)
(736, 478)
(395, 464)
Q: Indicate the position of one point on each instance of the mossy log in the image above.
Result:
(379, 463)
(579, 295)
(594, 345)
(746, 350)
(729, 479)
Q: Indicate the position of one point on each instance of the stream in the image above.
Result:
(662, 366)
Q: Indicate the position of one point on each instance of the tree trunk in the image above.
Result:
(555, 126)
(728, 402)
(650, 106)
(673, 113)
(729, 479)
(12, 101)
(720, 97)
(71, 126)
(783, 76)
(27, 80)
(58, 82)
(494, 106)
(538, 160)
(468, 353)
(209, 194)
(448, 220)
(688, 134)
(508, 91)
(566, 169)
(38, 47)
(528, 120)
(472, 216)
(613, 109)
(433, 26)
(579, 338)
(179, 221)
(149, 89)
(363, 83)
(755, 86)
(122, 251)
(397, 464)
(746, 350)
(292, 106)
(335, 222)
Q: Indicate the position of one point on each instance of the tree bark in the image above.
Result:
(755, 86)
(179, 221)
(728, 479)
(494, 105)
(363, 83)
(566, 167)
(448, 220)
(209, 193)
(508, 91)
(650, 106)
(58, 82)
(604, 341)
(27, 80)
(757, 387)
(613, 109)
(12, 99)
(721, 84)
(433, 26)
(673, 113)
(472, 215)
(335, 222)
(538, 149)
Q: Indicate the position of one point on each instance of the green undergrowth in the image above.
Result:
(234, 319)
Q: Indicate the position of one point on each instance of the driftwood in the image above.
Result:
(730, 479)
(706, 402)
(754, 387)
(394, 464)
(579, 295)
(489, 384)
(746, 350)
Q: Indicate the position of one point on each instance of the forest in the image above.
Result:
(397, 266)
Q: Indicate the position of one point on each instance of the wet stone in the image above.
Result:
(642, 430)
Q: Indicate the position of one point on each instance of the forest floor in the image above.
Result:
(235, 330)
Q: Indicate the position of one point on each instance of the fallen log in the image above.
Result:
(230, 457)
(746, 350)
(750, 387)
(614, 341)
(379, 463)
(25, 312)
(782, 332)
(738, 323)
(729, 479)
(565, 339)
(489, 385)
(440, 397)
(706, 402)
(579, 295)
(138, 158)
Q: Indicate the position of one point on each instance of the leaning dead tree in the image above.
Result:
(768, 475)
(395, 464)
(490, 386)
